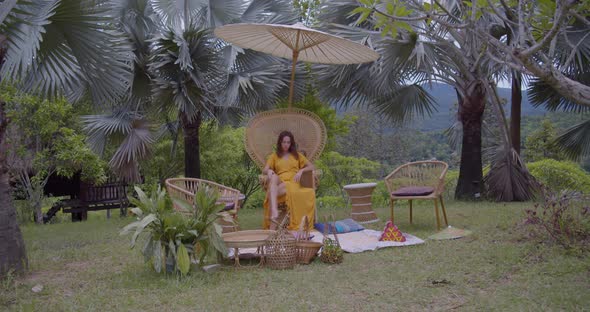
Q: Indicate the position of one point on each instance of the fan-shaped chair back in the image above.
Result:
(263, 130)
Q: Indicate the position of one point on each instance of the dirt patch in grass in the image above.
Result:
(55, 276)
(68, 277)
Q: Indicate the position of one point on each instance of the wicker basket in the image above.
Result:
(306, 250)
(280, 248)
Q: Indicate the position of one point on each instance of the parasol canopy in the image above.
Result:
(296, 42)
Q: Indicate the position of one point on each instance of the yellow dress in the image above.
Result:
(300, 200)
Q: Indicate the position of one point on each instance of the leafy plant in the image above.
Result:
(156, 214)
(541, 143)
(44, 141)
(172, 235)
(203, 225)
(561, 175)
(224, 145)
(339, 170)
(330, 202)
(563, 218)
(331, 252)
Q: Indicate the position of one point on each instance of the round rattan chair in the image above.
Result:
(263, 130)
(184, 189)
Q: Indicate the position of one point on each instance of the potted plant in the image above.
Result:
(203, 224)
(171, 235)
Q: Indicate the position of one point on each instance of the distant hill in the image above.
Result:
(446, 99)
(446, 108)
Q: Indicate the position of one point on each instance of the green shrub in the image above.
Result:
(25, 212)
(451, 183)
(330, 202)
(561, 175)
(256, 200)
(380, 196)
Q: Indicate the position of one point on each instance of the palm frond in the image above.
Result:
(255, 81)
(541, 93)
(405, 103)
(576, 140)
(5, 8)
(508, 179)
(66, 40)
(224, 11)
(454, 135)
(101, 127)
(270, 12)
(186, 70)
(572, 56)
(137, 22)
(135, 146)
(24, 26)
(170, 12)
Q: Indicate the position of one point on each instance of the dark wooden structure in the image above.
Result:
(85, 197)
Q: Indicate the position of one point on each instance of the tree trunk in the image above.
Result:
(471, 108)
(39, 211)
(12, 246)
(192, 160)
(515, 111)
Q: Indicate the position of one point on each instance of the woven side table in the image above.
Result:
(360, 200)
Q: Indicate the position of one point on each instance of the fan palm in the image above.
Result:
(55, 47)
(187, 75)
(572, 58)
(430, 52)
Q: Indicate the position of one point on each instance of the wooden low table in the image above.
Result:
(247, 239)
(360, 201)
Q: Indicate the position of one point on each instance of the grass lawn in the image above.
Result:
(87, 266)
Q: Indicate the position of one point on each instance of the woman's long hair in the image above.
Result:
(292, 148)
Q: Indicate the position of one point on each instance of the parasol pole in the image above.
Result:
(295, 55)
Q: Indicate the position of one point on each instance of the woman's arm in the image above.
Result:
(268, 171)
(308, 167)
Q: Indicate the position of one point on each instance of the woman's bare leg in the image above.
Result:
(276, 189)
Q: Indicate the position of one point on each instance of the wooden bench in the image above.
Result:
(111, 195)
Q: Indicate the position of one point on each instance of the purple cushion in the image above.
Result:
(228, 206)
(413, 191)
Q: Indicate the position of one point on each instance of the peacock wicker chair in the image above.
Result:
(308, 129)
(418, 180)
(184, 189)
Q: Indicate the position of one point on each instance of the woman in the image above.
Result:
(284, 169)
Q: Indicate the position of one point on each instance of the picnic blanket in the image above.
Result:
(365, 240)
(353, 242)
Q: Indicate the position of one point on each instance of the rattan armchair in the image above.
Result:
(418, 180)
(184, 189)
(263, 130)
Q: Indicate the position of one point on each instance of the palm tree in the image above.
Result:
(431, 52)
(55, 47)
(572, 59)
(191, 74)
